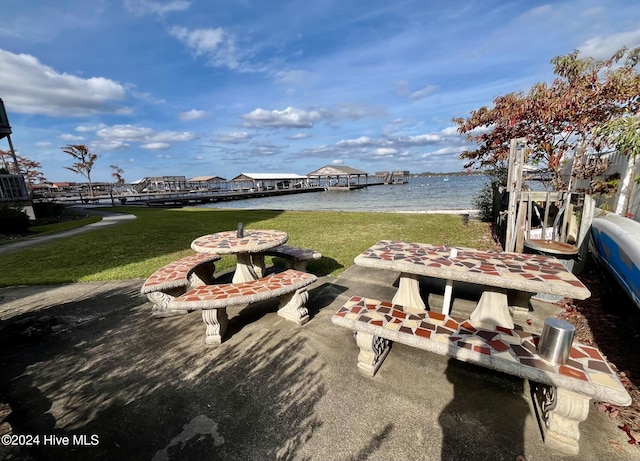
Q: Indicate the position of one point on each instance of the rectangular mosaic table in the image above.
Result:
(562, 392)
(495, 271)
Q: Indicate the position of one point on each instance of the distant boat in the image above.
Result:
(615, 244)
(446, 178)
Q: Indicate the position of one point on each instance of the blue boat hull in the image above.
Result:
(615, 244)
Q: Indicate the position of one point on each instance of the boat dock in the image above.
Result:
(181, 198)
(173, 199)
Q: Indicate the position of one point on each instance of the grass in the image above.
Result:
(137, 248)
(37, 231)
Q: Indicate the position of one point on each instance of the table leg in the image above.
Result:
(492, 310)
(292, 306)
(373, 351)
(216, 322)
(560, 413)
(408, 294)
(448, 288)
(258, 264)
(446, 301)
(244, 269)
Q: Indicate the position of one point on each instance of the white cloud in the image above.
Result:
(337, 162)
(603, 47)
(447, 142)
(89, 128)
(403, 89)
(361, 141)
(173, 136)
(109, 145)
(30, 87)
(192, 114)
(128, 132)
(450, 131)
(299, 136)
(422, 93)
(71, 138)
(234, 137)
(143, 7)
(288, 118)
(421, 139)
(385, 151)
(156, 146)
(216, 45)
(357, 111)
(291, 77)
(147, 136)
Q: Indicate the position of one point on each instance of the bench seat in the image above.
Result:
(294, 257)
(586, 374)
(288, 286)
(172, 280)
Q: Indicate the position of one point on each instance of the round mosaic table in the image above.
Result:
(228, 242)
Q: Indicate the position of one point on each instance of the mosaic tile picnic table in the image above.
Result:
(496, 271)
(228, 242)
(561, 392)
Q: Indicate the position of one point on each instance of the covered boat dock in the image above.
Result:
(339, 178)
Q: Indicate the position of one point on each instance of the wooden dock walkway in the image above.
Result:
(190, 198)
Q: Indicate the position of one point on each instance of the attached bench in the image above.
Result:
(561, 392)
(294, 258)
(175, 278)
(289, 286)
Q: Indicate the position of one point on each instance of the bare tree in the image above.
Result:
(117, 174)
(84, 161)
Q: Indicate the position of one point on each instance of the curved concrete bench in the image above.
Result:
(294, 257)
(173, 280)
(289, 286)
(561, 392)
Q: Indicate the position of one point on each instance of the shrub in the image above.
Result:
(484, 201)
(48, 210)
(13, 221)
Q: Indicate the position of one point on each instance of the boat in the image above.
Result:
(615, 244)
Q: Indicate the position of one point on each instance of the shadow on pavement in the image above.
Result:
(129, 381)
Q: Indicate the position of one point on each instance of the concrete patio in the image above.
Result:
(88, 360)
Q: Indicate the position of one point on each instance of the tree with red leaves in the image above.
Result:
(29, 169)
(559, 119)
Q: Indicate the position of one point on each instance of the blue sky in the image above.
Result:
(204, 87)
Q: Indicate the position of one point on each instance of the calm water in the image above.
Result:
(423, 194)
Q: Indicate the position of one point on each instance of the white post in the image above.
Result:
(448, 289)
(514, 187)
(624, 197)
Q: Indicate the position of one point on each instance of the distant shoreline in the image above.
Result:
(446, 211)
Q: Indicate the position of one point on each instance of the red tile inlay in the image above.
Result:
(459, 335)
(535, 273)
(593, 353)
(281, 281)
(573, 373)
(498, 345)
(177, 273)
(451, 324)
(228, 242)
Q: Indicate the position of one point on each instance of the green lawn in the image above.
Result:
(37, 231)
(138, 247)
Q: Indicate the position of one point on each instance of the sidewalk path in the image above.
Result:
(87, 360)
(109, 218)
